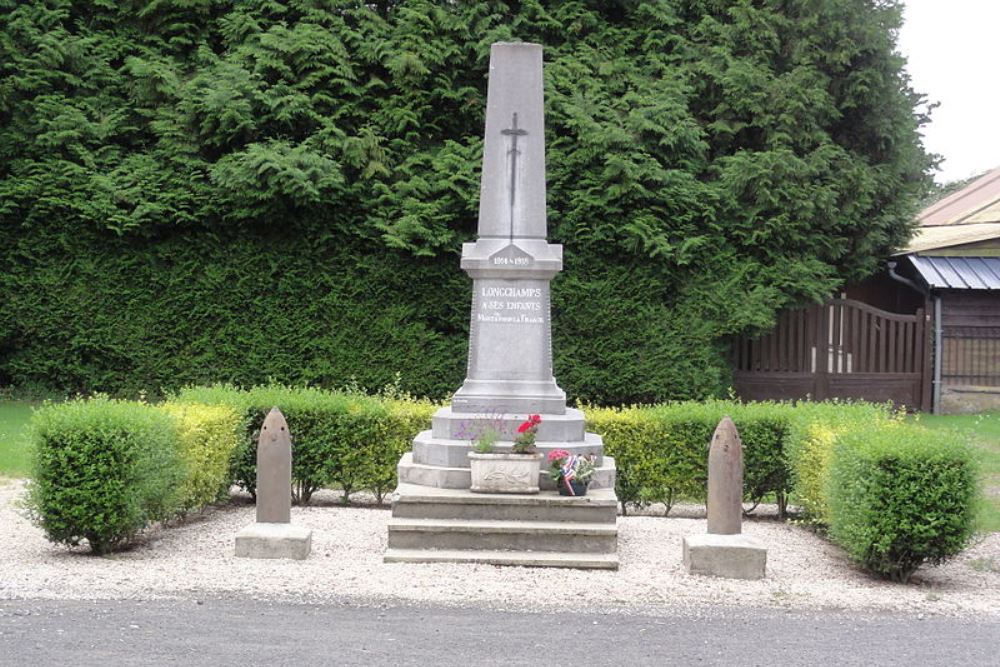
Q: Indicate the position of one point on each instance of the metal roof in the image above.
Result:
(968, 216)
(946, 236)
(978, 273)
(977, 202)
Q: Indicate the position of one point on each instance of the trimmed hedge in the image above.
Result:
(407, 418)
(207, 436)
(900, 496)
(809, 446)
(892, 494)
(346, 440)
(662, 451)
(104, 469)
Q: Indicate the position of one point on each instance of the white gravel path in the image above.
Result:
(195, 559)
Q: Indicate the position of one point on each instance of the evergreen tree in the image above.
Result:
(194, 190)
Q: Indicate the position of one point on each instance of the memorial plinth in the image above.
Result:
(509, 374)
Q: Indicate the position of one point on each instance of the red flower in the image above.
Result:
(533, 421)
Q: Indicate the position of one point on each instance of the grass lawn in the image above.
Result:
(984, 434)
(15, 448)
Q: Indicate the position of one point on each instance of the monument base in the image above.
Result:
(431, 525)
(274, 540)
(730, 556)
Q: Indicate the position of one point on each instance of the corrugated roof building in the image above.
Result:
(954, 260)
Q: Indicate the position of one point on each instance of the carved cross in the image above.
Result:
(514, 132)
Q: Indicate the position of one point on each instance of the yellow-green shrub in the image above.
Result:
(207, 436)
(810, 468)
(340, 439)
(405, 418)
(813, 433)
(632, 437)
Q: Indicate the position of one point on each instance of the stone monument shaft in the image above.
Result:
(512, 187)
(511, 264)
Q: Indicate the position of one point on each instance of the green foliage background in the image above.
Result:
(201, 190)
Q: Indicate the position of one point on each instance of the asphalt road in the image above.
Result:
(253, 632)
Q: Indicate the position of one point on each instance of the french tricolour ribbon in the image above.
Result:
(569, 472)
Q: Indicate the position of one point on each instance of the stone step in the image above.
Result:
(446, 453)
(442, 477)
(421, 502)
(448, 424)
(549, 536)
(523, 558)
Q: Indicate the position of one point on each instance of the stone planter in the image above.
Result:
(505, 473)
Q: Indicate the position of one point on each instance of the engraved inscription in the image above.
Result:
(512, 256)
(511, 305)
(504, 476)
(512, 261)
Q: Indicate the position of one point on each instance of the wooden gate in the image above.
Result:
(842, 349)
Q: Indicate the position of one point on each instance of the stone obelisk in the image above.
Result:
(273, 535)
(724, 551)
(511, 263)
(509, 374)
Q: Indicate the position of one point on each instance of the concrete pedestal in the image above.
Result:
(434, 525)
(730, 556)
(274, 540)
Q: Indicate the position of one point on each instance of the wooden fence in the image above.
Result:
(842, 349)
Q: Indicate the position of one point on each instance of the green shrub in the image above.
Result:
(207, 436)
(339, 439)
(104, 470)
(405, 419)
(900, 496)
(809, 444)
(662, 451)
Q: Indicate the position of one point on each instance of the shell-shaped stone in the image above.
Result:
(725, 480)
(274, 470)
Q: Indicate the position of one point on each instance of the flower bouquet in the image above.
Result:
(572, 473)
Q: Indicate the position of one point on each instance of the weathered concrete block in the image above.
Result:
(969, 400)
(274, 540)
(731, 556)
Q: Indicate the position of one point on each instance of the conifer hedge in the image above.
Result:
(196, 191)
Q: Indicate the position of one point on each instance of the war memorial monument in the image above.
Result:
(436, 518)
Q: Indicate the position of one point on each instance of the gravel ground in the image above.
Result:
(195, 559)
